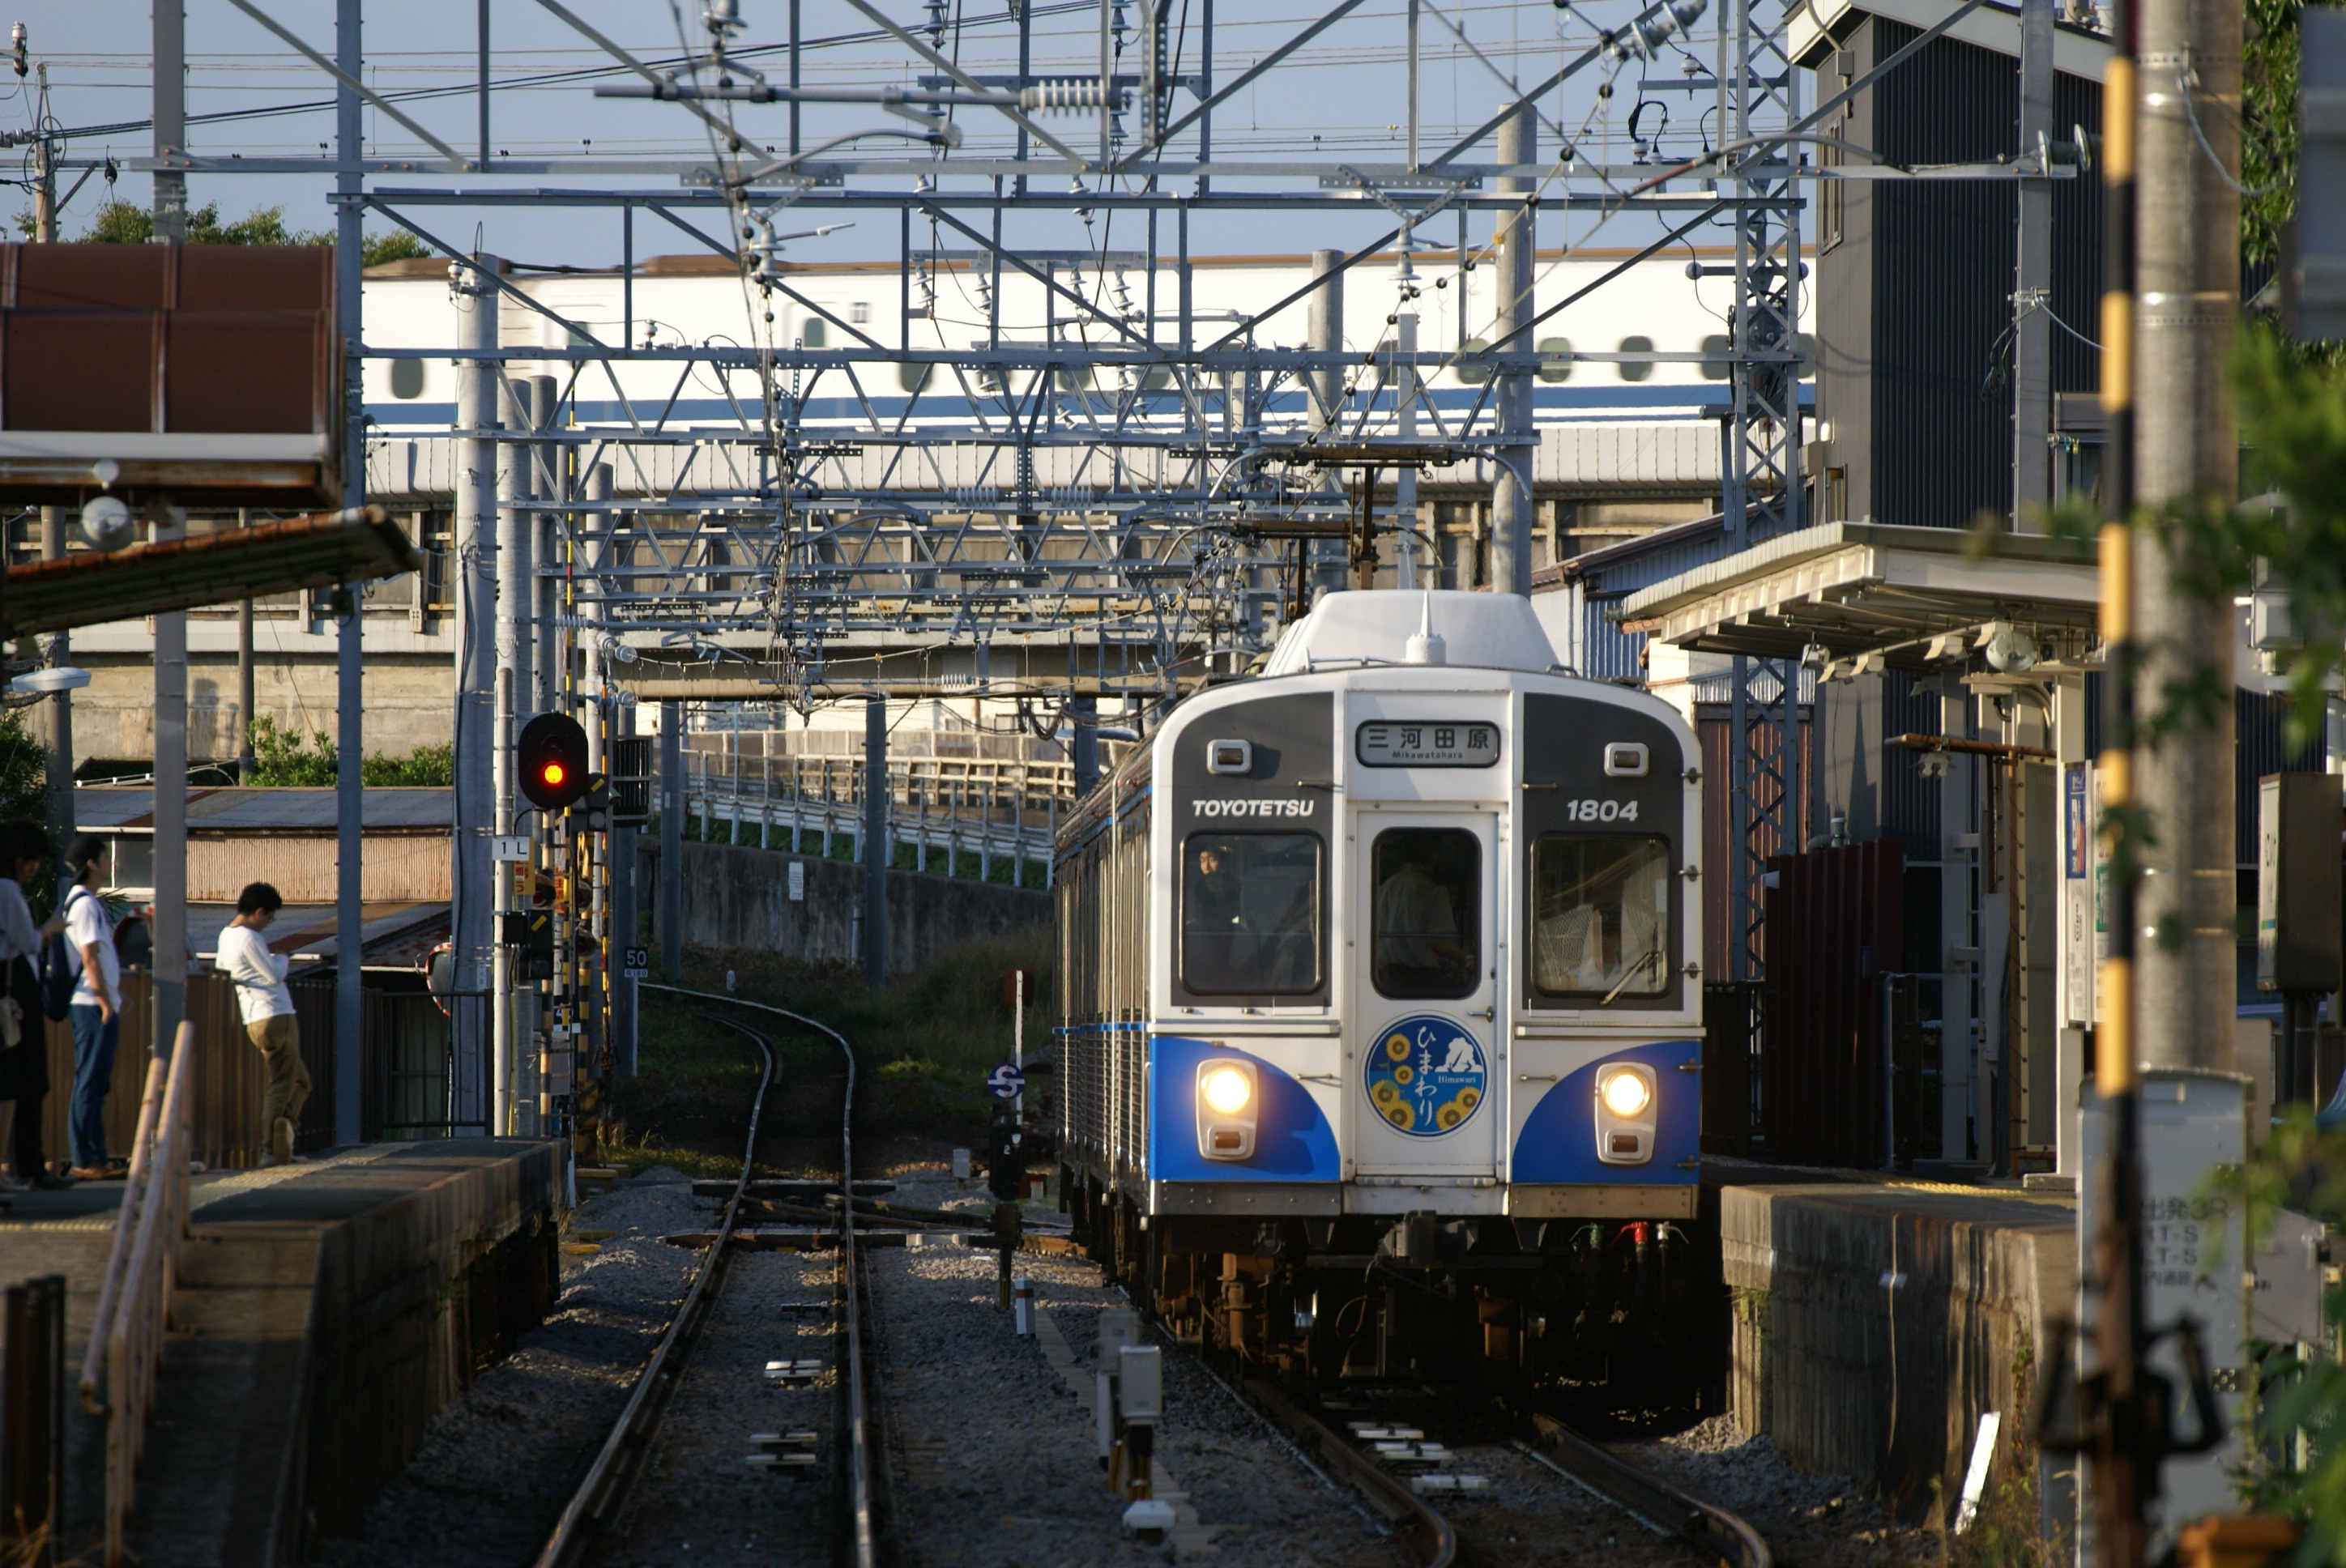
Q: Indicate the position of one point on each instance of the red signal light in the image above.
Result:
(552, 752)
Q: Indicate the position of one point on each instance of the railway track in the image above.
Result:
(1434, 1540)
(593, 1514)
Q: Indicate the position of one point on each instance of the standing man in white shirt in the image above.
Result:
(265, 1003)
(96, 1010)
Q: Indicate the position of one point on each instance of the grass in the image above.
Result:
(687, 1100)
(923, 1046)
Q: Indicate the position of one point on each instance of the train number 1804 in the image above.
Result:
(1595, 811)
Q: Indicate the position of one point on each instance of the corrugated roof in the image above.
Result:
(101, 807)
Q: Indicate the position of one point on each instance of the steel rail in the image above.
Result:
(1431, 1543)
(859, 1446)
(592, 1505)
(1665, 1508)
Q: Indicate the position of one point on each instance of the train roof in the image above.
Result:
(1383, 626)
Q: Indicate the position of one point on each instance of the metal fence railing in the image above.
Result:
(991, 810)
(134, 1302)
(418, 1083)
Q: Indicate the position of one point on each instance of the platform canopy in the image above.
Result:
(87, 588)
(1908, 598)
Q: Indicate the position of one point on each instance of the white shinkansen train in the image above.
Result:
(1380, 1018)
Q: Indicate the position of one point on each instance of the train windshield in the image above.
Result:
(1251, 913)
(1600, 914)
(1426, 922)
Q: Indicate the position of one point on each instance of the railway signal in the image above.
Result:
(551, 755)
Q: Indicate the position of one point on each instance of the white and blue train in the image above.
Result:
(1380, 1010)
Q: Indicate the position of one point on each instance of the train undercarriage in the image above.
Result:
(1505, 1306)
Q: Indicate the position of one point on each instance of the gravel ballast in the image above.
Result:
(496, 1466)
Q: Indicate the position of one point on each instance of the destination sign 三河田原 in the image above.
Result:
(1409, 743)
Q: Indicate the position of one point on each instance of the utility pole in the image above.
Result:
(170, 21)
(517, 529)
(2186, 450)
(2032, 323)
(876, 799)
(474, 573)
(670, 915)
(546, 482)
(349, 637)
(1404, 384)
(169, 929)
(244, 760)
(56, 649)
(1511, 489)
(1326, 334)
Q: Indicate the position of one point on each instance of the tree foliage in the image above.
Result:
(287, 758)
(2269, 56)
(127, 223)
(24, 769)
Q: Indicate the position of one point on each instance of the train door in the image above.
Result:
(1424, 993)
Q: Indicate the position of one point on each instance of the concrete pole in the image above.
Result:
(624, 922)
(57, 650)
(1510, 488)
(1326, 332)
(2032, 327)
(475, 582)
(170, 927)
(546, 483)
(1405, 422)
(670, 915)
(516, 552)
(2188, 271)
(244, 761)
(350, 726)
(170, 21)
(504, 1075)
(875, 842)
(595, 529)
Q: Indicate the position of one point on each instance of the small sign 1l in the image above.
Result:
(1005, 1082)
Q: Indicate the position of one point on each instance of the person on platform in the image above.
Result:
(96, 1008)
(265, 1003)
(24, 1041)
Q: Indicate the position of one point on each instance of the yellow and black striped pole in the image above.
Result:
(2122, 1473)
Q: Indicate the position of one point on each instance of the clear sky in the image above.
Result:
(1342, 95)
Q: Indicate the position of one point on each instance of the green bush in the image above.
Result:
(285, 759)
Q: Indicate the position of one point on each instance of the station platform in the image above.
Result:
(1876, 1318)
(323, 1312)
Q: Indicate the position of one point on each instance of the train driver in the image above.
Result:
(1419, 949)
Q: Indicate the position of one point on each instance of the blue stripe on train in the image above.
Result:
(1558, 1142)
(1293, 1141)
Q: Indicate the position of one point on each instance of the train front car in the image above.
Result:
(1407, 1082)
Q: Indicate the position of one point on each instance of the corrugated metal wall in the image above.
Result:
(2263, 749)
(1833, 928)
(1940, 395)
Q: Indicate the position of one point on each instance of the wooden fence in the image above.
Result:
(229, 1075)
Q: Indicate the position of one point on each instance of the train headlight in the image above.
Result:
(1226, 1105)
(1625, 1094)
(1227, 1091)
(1625, 1113)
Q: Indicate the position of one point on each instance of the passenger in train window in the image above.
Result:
(1599, 906)
(1425, 878)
